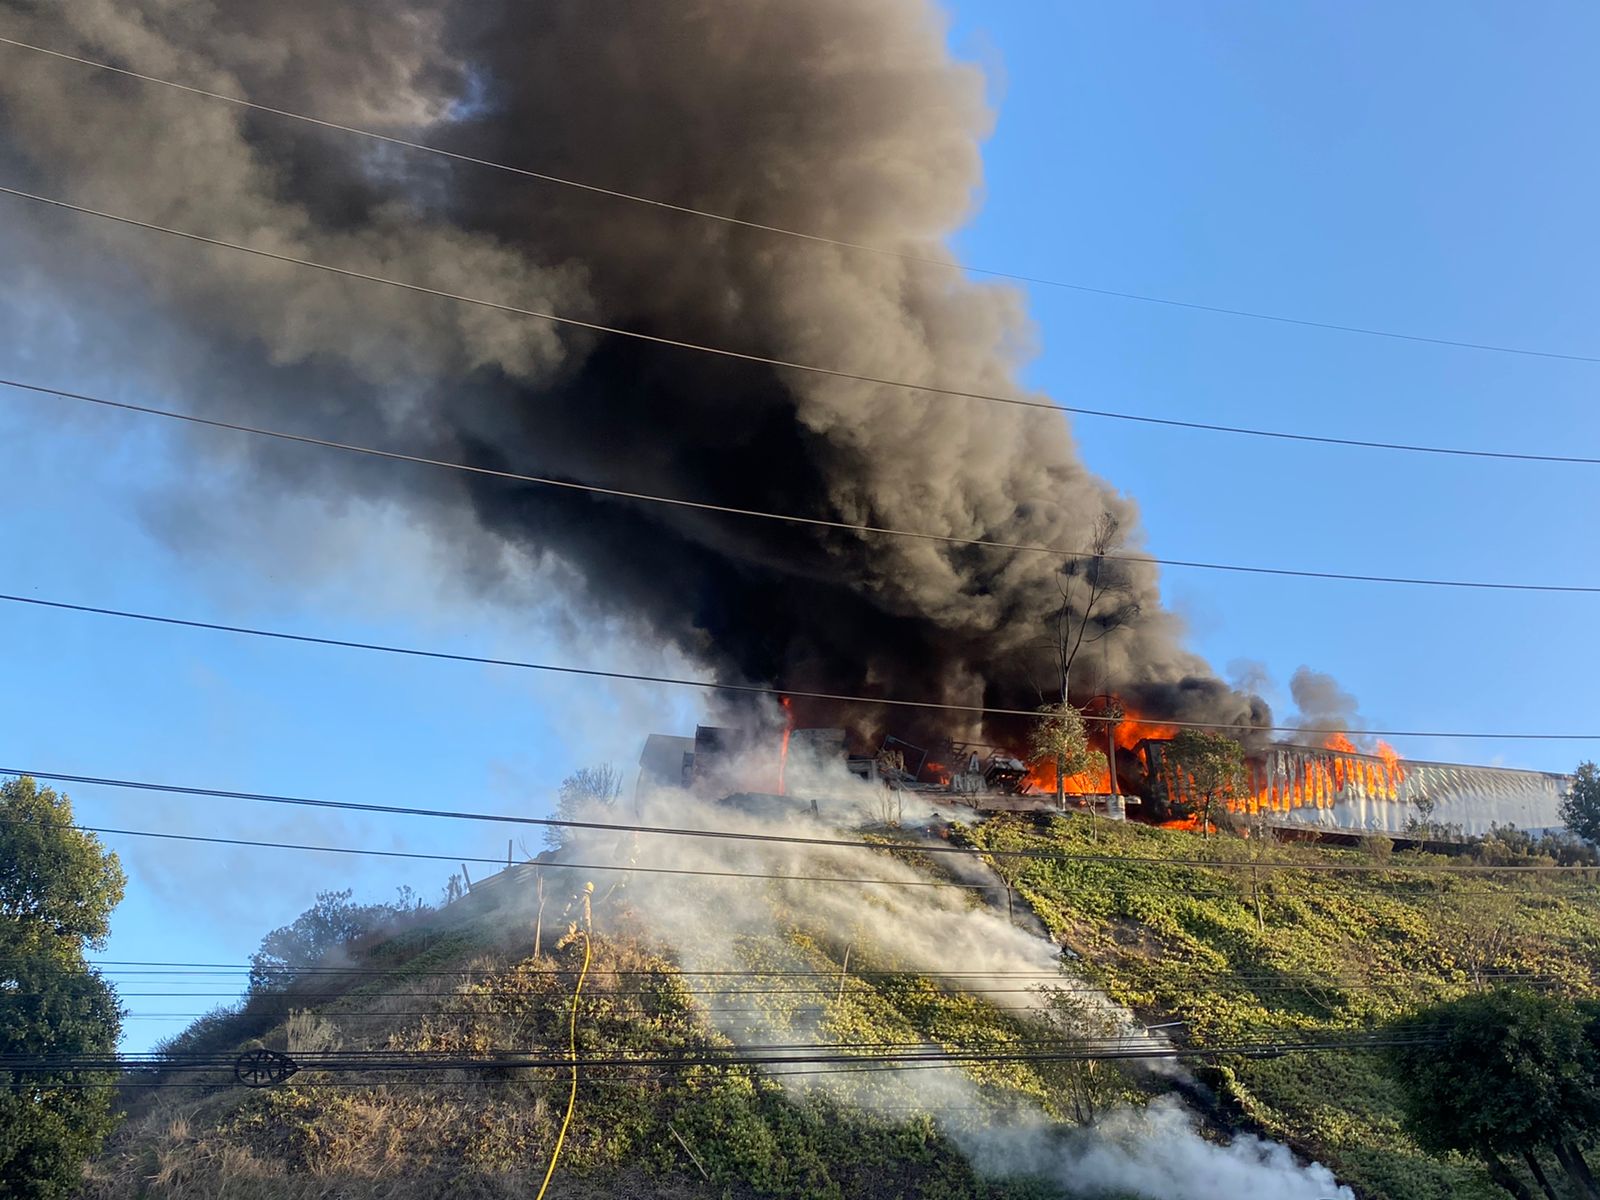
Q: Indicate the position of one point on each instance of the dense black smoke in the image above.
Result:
(845, 119)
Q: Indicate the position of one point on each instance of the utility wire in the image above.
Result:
(929, 846)
(839, 243)
(374, 1061)
(828, 987)
(673, 972)
(790, 518)
(763, 360)
(391, 1060)
(752, 689)
(468, 858)
(264, 1004)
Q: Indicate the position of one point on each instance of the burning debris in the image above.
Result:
(1336, 787)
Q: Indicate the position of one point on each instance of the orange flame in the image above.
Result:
(1301, 782)
(1132, 730)
(1128, 731)
(783, 751)
(1041, 778)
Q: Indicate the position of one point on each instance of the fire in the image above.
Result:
(1189, 824)
(1042, 778)
(1131, 730)
(783, 751)
(1279, 785)
(1127, 732)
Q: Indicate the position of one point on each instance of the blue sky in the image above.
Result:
(1422, 168)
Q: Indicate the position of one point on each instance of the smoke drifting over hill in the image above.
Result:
(847, 120)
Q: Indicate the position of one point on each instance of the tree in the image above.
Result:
(584, 796)
(1498, 1073)
(57, 889)
(1088, 1087)
(1580, 807)
(1059, 738)
(1214, 767)
(1096, 599)
(330, 923)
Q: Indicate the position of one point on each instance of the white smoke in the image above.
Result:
(1153, 1152)
(959, 937)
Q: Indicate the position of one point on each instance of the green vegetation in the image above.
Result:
(1326, 950)
(1580, 807)
(329, 925)
(488, 1133)
(1518, 1075)
(1214, 767)
(1058, 739)
(57, 889)
(1234, 939)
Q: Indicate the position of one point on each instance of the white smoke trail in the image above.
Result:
(799, 926)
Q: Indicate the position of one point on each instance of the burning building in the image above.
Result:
(1334, 788)
(1340, 789)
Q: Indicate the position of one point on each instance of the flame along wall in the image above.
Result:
(1342, 789)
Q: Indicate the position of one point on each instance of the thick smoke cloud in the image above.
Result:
(845, 119)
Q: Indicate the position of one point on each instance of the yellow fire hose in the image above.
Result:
(572, 1038)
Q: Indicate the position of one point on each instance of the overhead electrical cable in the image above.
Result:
(750, 688)
(674, 972)
(784, 231)
(284, 1002)
(790, 518)
(930, 847)
(765, 360)
(382, 1061)
(623, 868)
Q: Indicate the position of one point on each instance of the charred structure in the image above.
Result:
(1340, 789)
(1335, 788)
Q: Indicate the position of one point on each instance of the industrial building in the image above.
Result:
(1333, 790)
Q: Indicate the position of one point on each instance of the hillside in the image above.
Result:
(461, 980)
(1175, 943)
(1326, 950)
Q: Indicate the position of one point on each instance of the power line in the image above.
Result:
(627, 868)
(790, 518)
(383, 1061)
(468, 858)
(760, 359)
(279, 1003)
(177, 976)
(672, 971)
(748, 689)
(839, 243)
(919, 847)
(257, 1002)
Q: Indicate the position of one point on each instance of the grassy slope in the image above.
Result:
(1185, 944)
(464, 1137)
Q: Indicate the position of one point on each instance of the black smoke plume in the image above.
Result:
(845, 119)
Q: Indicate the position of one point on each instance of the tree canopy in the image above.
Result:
(58, 886)
(1517, 1072)
(1060, 740)
(583, 796)
(1214, 765)
(329, 924)
(1580, 807)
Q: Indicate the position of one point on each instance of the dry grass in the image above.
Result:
(483, 1137)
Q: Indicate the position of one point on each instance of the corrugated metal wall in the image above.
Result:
(1336, 790)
